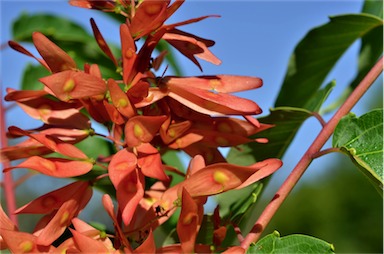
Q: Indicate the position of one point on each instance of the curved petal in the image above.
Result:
(56, 58)
(217, 83)
(56, 167)
(142, 129)
(67, 85)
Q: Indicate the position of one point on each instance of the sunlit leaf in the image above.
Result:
(287, 121)
(274, 244)
(370, 50)
(318, 52)
(235, 204)
(362, 139)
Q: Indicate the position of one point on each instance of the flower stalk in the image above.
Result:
(8, 182)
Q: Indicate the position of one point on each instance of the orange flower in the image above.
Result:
(187, 225)
(51, 112)
(220, 177)
(104, 5)
(209, 94)
(61, 206)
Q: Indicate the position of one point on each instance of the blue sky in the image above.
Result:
(253, 38)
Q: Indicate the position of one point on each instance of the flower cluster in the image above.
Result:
(145, 116)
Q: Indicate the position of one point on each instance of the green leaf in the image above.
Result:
(69, 36)
(362, 139)
(373, 7)
(171, 158)
(205, 234)
(235, 204)
(31, 75)
(94, 147)
(371, 44)
(275, 244)
(54, 26)
(287, 121)
(318, 52)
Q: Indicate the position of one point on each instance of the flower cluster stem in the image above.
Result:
(8, 185)
(307, 158)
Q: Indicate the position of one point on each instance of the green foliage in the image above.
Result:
(31, 76)
(362, 139)
(313, 58)
(318, 52)
(69, 36)
(340, 207)
(275, 244)
(287, 121)
(300, 97)
(59, 28)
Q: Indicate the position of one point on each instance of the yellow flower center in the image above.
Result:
(69, 85)
(138, 131)
(26, 246)
(64, 218)
(220, 177)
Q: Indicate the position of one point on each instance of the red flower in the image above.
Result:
(218, 178)
(145, 116)
(188, 223)
(60, 206)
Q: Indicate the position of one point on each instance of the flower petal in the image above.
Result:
(142, 129)
(149, 16)
(87, 244)
(197, 163)
(16, 46)
(21, 242)
(101, 42)
(122, 164)
(187, 225)
(56, 167)
(263, 169)
(148, 246)
(67, 85)
(104, 5)
(221, 177)
(174, 130)
(129, 193)
(63, 217)
(113, 113)
(21, 95)
(217, 83)
(23, 150)
(190, 46)
(51, 142)
(212, 103)
(52, 200)
(120, 99)
(149, 161)
(128, 52)
(55, 57)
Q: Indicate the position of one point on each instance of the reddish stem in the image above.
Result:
(8, 178)
(307, 158)
(326, 151)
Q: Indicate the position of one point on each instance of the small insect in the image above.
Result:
(159, 210)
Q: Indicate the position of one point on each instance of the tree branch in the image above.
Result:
(307, 158)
